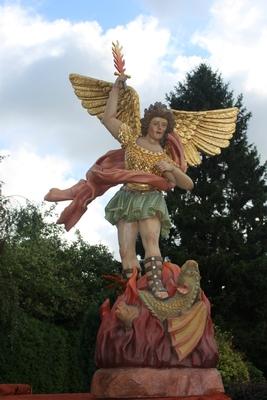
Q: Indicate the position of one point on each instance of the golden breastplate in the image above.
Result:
(139, 159)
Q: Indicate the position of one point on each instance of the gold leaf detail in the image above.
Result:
(204, 131)
(94, 94)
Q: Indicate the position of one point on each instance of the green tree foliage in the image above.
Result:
(222, 222)
(43, 355)
(47, 288)
(249, 391)
(55, 280)
(231, 365)
(87, 339)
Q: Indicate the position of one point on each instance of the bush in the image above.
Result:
(250, 391)
(255, 375)
(231, 363)
(42, 355)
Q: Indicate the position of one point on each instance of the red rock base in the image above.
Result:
(150, 382)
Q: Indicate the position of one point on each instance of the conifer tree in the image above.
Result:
(222, 222)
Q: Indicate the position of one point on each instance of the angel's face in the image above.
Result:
(157, 128)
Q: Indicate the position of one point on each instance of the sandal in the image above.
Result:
(153, 273)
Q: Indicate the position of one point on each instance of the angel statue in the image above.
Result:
(153, 158)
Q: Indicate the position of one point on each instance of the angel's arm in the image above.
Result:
(181, 179)
(175, 175)
(109, 119)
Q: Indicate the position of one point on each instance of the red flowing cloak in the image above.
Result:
(108, 171)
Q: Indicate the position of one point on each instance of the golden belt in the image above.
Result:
(139, 187)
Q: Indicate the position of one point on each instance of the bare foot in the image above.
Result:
(55, 194)
(161, 294)
(183, 289)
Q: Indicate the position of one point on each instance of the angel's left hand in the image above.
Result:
(164, 166)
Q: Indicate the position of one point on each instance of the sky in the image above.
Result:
(50, 140)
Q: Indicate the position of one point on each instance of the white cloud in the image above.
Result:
(37, 102)
(25, 173)
(184, 64)
(145, 45)
(30, 31)
(236, 40)
(28, 176)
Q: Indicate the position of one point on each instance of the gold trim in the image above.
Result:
(139, 187)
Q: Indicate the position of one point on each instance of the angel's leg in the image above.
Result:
(127, 235)
(149, 229)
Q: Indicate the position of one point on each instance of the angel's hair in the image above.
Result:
(158, 110)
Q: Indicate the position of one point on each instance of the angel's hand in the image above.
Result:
(120, 82)
(164, 166)
(175, 175)
(94, 95)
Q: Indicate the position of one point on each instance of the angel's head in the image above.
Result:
(158, 112)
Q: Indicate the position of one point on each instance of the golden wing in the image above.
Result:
(204, 131)
(94, 94)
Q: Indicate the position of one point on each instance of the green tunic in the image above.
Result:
(134, 206)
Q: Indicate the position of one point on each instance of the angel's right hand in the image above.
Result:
(120, 81)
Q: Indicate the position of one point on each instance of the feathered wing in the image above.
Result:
(94, 94)
(204, 131)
